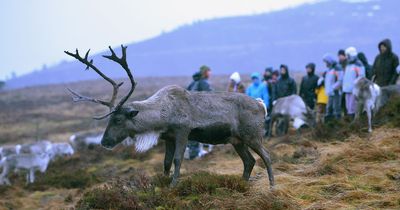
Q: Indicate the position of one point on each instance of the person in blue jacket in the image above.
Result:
(354, 70)
(258, 89)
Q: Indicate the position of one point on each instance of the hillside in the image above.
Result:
(293, 36)
(339, 167)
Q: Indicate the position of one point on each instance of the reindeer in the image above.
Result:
(291, 108)
(176, 115)
(85, 140)
(370, 98)
(30, 162)
(61, 149)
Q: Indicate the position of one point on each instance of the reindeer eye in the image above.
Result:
(118, 120)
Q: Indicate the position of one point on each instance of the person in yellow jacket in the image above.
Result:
(322, 99)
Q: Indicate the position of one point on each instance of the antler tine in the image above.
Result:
(76, 97)
(124, 64)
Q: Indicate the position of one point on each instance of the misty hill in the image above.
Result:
(293, 36)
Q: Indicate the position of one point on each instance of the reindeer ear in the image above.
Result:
(132, 113)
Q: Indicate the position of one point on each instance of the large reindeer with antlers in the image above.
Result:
(176, 115)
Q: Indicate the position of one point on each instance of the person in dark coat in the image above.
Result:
(205, 73)
(269, 82)
(193, 86)
(343, 63)
(368, 68)
(308, 85)
(385, 64)
(342, 58)
(286, 85)
(199, 83)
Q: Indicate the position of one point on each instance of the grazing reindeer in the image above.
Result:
(176, 115)
(30, 162)
(291, 108)
(82, 141)
(61, 149)
(370, 98)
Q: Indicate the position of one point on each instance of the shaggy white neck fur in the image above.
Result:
(146, 141)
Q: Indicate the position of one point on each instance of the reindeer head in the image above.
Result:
(121, 120)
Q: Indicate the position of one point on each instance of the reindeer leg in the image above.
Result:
(359, 109)
(169, 156)
(369, 114)
(180, 146)
(4, 178)
(258, 148)
(247, 158)
(32, 175)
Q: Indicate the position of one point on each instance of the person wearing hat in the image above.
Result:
(235, 83)
(257, 89)
(308, 85)
(286, 85)
(333, 85)
(385, 64)
(354, 70)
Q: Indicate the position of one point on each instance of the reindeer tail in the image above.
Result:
(261, 102)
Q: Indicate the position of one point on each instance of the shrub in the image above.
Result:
(110, 196)
(207, 183)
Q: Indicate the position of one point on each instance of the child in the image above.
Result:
(322, 99)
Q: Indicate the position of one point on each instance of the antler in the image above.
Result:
(89, 64)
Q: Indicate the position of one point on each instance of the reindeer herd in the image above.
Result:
(176, 115)
(37, 156)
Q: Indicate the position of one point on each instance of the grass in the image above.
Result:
(336, 166)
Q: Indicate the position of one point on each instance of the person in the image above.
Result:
(342, 58)
(257, 89)
(199, 83)
(235, 84)
(269, 80)
(205, 73)
(333, 85)
(343, 62)
(193, 86)
(354, 70)
(322, 98)
(368, 68)
(272, 83)
(308, 85)
(385, 64)
(285, 86)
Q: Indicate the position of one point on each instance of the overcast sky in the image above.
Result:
(36, 32)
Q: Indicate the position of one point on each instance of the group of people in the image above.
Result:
(330, 93)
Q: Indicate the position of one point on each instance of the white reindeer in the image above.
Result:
(292, 108)
(30, 162)
(367, 95)
(83, 140)
(61, 149)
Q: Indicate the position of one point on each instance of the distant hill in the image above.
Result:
(293, 36)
